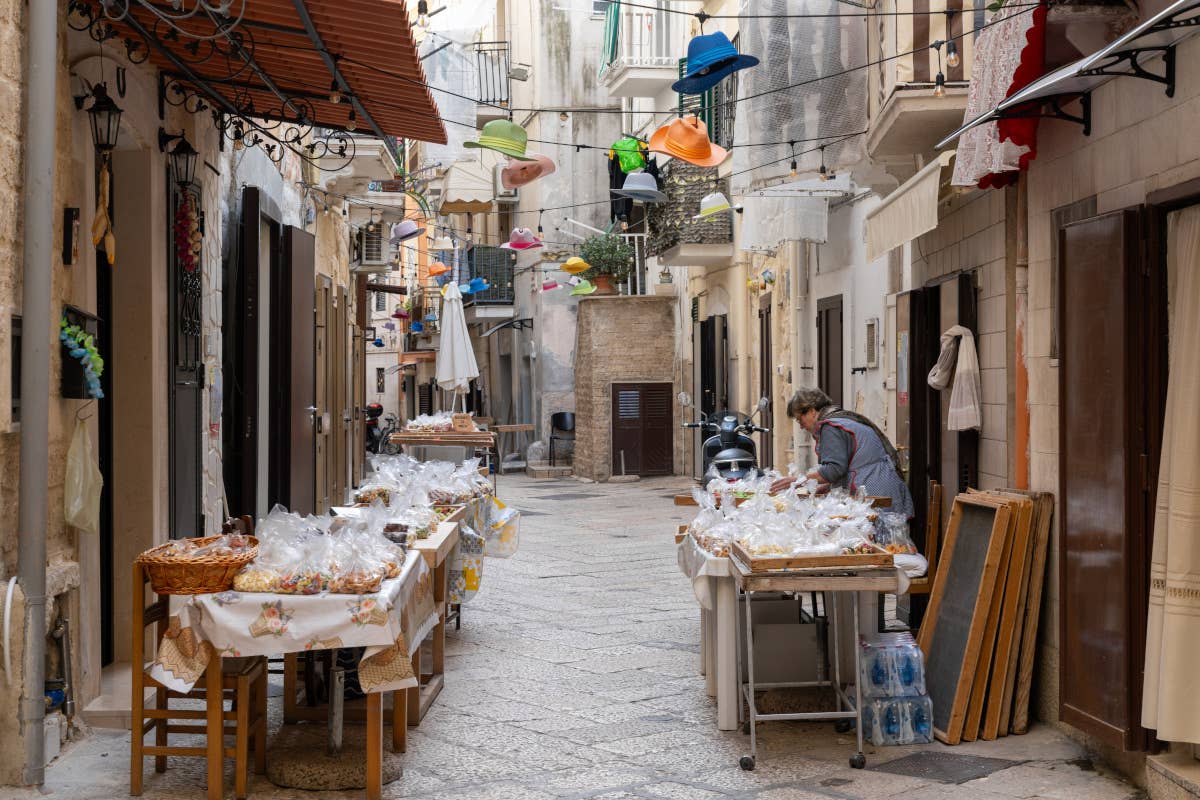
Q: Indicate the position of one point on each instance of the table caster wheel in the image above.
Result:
(858, 761)
(747, 763)
(843, 726)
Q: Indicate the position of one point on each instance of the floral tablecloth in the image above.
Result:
(390, 624)
(699, 565)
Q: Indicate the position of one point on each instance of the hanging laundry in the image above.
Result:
(618, 206)
(630, 153)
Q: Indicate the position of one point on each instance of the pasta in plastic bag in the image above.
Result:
(504, 529)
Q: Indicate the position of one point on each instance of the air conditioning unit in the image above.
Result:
(872, 343)
(374, 252)
(502, 195)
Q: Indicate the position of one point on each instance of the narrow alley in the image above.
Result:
(575, 675)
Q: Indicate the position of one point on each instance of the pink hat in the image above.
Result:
(522, 239)
(519, 173)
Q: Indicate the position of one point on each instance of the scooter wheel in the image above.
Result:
(747, 763)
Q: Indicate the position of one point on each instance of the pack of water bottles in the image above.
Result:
(898, 720)
(892, 666)
(896, 708)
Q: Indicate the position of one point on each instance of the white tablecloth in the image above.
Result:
(390, 624)
(699, 565)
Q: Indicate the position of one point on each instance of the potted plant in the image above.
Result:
(610, 257)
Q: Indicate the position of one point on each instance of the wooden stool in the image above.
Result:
(241, 680)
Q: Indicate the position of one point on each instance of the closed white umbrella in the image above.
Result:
(456, 365)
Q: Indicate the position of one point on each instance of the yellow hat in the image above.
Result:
(575, 265)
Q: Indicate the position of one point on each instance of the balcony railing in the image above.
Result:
(637, 282)
(495, 265)
(642, 38)
(491, 63)
(716, 107)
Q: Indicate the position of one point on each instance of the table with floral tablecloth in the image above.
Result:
(390, 624)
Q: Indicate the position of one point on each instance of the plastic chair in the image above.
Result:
(561, 422)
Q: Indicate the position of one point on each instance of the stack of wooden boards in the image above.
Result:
(979, 635)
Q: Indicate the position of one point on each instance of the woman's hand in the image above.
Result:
(782, 485)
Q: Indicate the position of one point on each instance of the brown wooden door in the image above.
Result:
(241, 361)
(1103, 504)
(343, 416)
(296, 347)
(830, 366)
(642, 429)
(322, 376)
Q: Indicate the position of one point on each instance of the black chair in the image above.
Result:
(561, 422)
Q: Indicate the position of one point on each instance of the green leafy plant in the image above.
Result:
(608, 254)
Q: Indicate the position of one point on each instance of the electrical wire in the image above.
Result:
(704, 16)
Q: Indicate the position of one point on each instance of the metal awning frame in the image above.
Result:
(1122, 58)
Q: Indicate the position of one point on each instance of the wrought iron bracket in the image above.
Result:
(1127, 63)
(1053, 109)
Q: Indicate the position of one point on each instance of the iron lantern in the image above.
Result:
(104, 115)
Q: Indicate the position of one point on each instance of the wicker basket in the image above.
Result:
(174, 575)
(463, 423)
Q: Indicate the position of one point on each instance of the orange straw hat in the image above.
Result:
(438, 268)
(687, 140)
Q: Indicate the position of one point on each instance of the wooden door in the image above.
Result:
(294, 371)
(185, 412)
(642, 429)
(1104, 495)
(830, 364)
(240, 335)
(343, 416)
(322, 389)
(766, 369)
(358, 399)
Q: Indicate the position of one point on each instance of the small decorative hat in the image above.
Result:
(521, 239)
(641, 186)
(403, 231)
(549, 285)
(479, 284)
(464, 288)
(441, 243)
(583, 287)
(437, 268)
(712, 204)
(687, 139)
(503, 136)
(417, 327)
(575, 265)
(711, 57)
(399, 313)
(520, 173)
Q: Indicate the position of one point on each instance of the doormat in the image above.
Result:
(945, 767)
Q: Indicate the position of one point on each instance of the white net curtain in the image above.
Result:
(796, 52)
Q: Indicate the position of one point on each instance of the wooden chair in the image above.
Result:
(242, 681)
(933, 527)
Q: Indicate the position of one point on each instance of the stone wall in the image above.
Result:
(618, 340)
(671, 223)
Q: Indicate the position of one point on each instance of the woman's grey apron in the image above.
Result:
(870, 466)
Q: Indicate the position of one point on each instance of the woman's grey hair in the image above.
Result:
(806, 400)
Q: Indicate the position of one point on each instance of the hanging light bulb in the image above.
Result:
(823, 172)
(792, 172)
(371, 223)
(350, 123)
(422, 13)
(335, 93)
(952, 57)
(939, 85)
(345, 211)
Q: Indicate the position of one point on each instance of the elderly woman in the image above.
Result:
(851, 451)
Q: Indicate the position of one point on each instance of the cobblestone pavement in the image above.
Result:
(575, 675)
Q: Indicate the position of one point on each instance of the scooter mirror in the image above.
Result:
(763, 402)
(684, 399)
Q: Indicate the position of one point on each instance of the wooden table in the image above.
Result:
(436, 552)
(500, 439)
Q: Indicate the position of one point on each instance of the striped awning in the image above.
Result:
(919, 23)
(469, 187)
(283, 60)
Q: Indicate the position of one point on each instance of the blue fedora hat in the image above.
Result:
(479, 284)
(711, 57)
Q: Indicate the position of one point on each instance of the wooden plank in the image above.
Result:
(447, 438)
(685, 500)
(953, 629)
(437, 547)
(1033, 609)
(1012, 623)
(874, 579)
(987, 646)
(757, 564)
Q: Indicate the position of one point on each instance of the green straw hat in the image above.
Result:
(503, 136)
(583, 287)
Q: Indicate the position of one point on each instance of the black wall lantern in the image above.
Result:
(104, 116)
(182, 155)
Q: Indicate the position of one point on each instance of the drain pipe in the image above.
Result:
(62, 632)
(40, 332)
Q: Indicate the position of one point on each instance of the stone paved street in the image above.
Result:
(575, 674)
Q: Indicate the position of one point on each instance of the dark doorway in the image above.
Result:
(185, 412)
(104, 422)
(292, 421)
(1112, 380)
(766, 360)
(714, 365)
(642, 429)
(830, 365)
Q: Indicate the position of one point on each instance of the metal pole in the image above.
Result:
(40, 332)
(337, 700)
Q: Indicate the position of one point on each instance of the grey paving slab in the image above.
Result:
(575, 675)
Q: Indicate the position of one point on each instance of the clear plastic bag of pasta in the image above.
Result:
(504, 530)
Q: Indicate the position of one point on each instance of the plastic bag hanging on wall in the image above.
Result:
(81, 499)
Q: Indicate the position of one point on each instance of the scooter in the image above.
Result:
(730, 450)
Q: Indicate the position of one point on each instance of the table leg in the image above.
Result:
(726, 665)
(703, 641)
(414, 694)
(291, 663)
(374, 745)
(438, 656)
(400, 721)
(214, 725)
